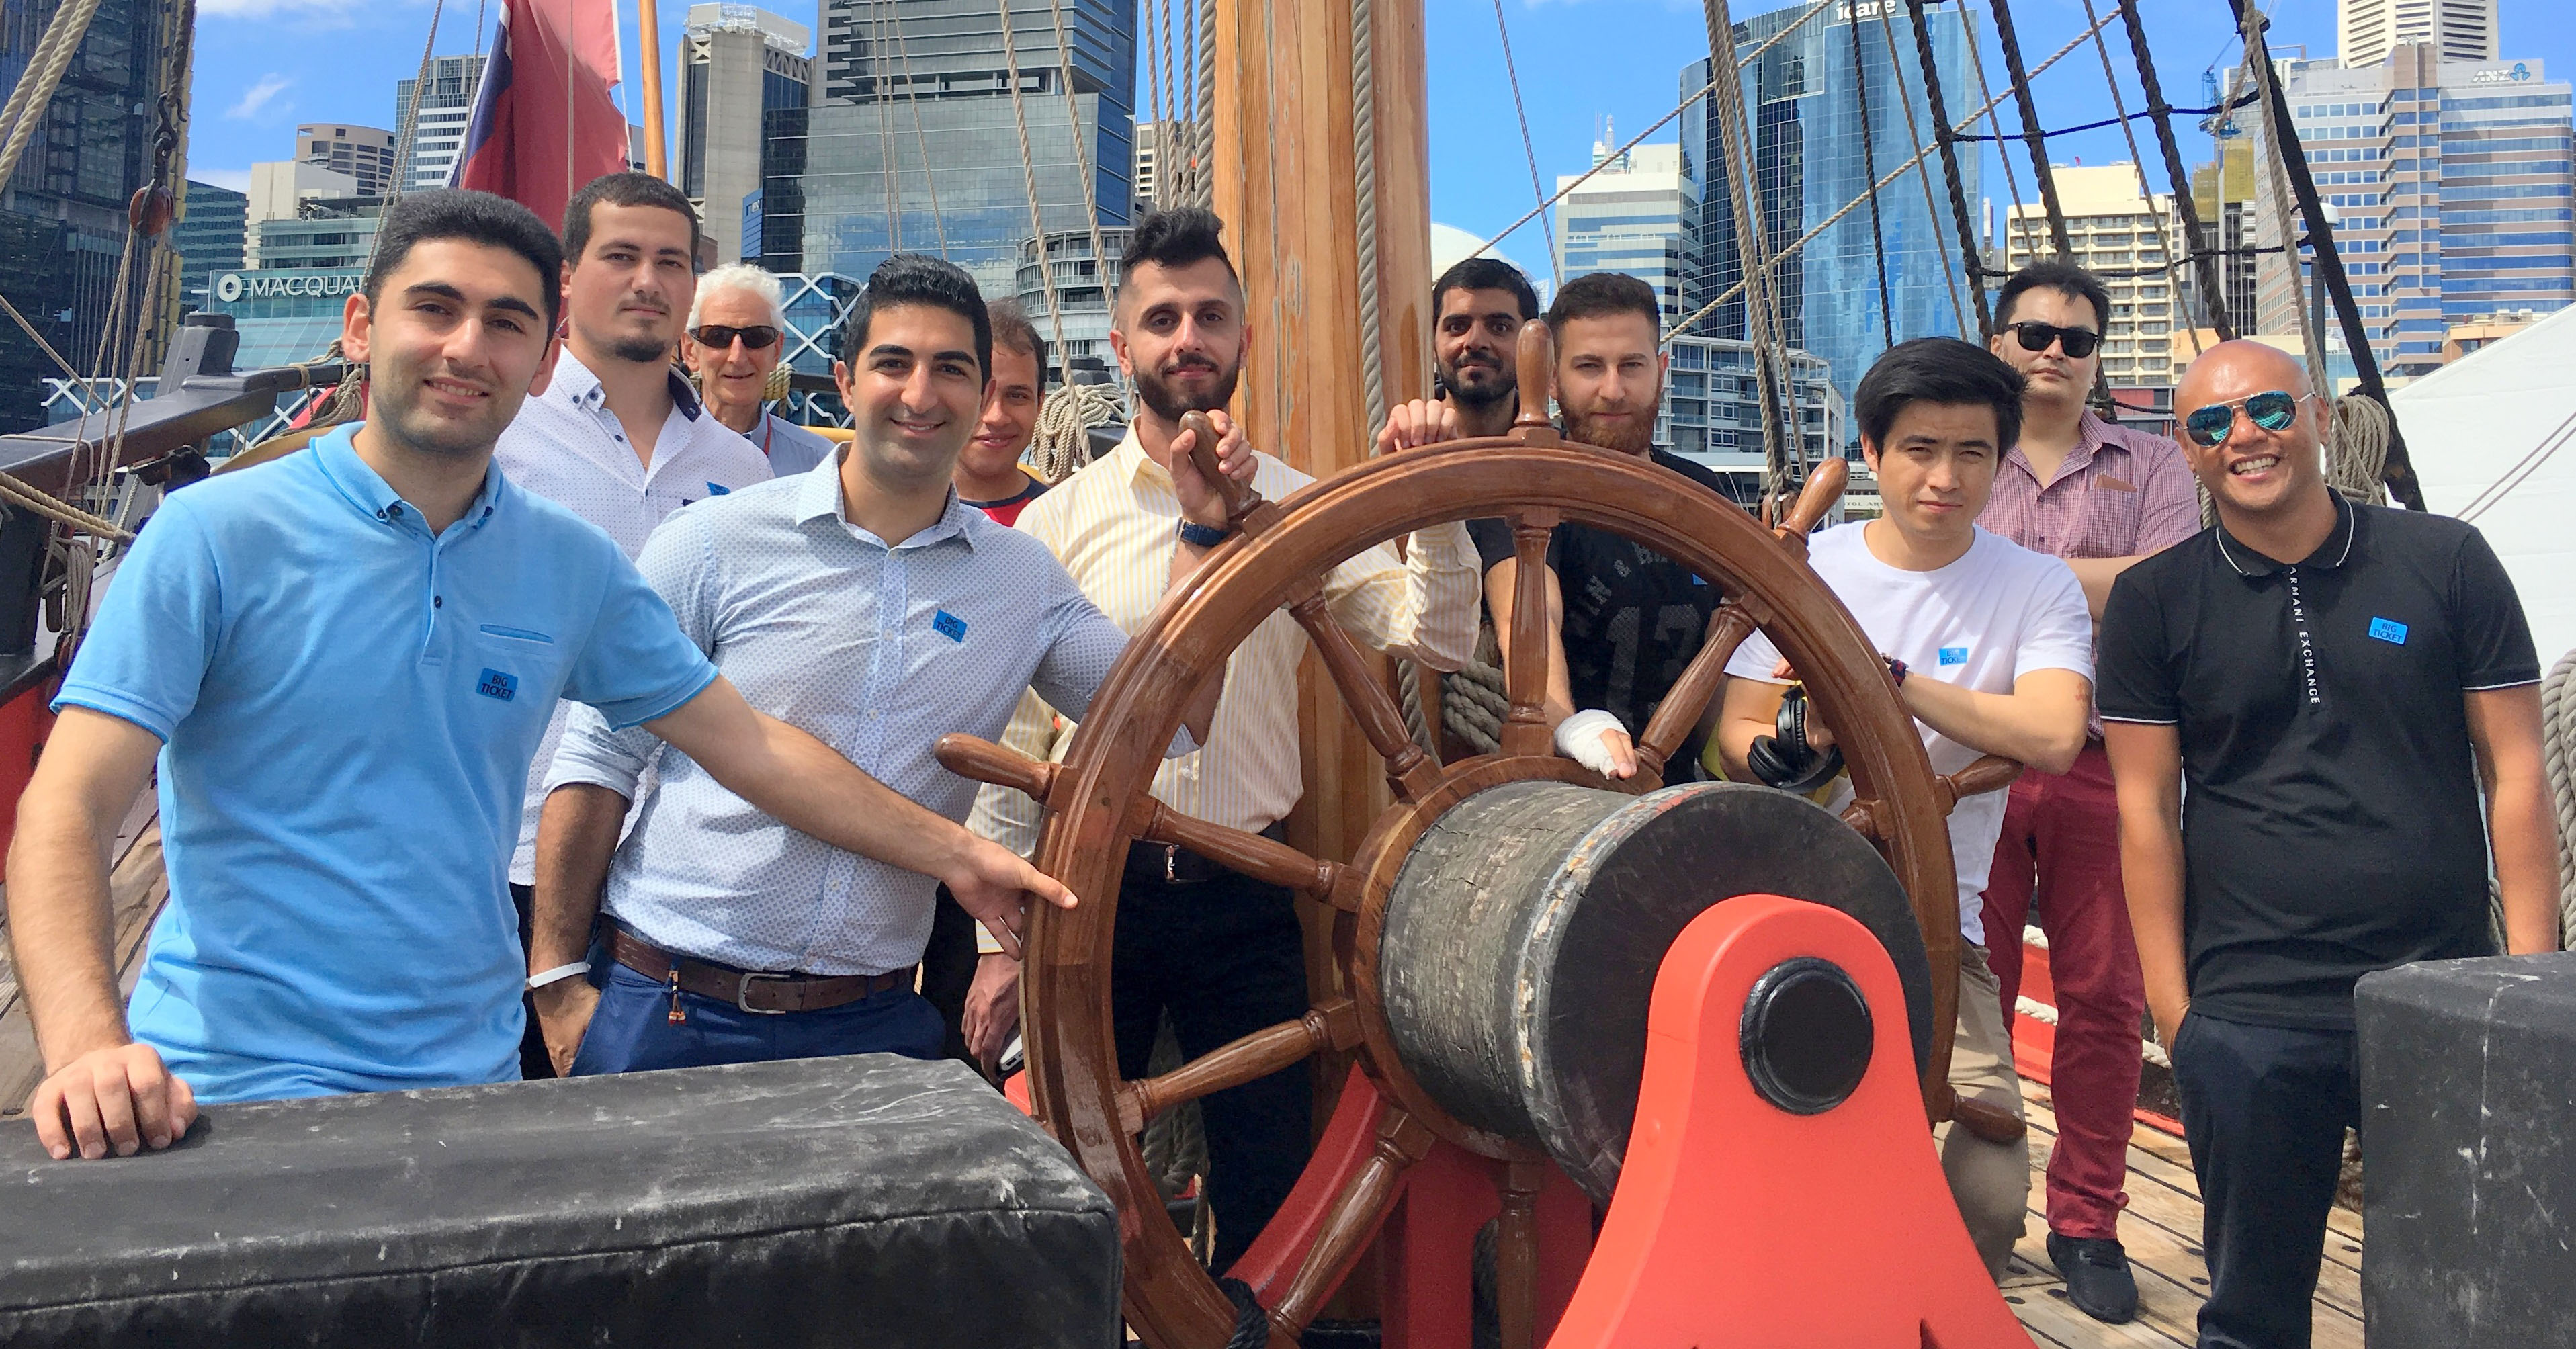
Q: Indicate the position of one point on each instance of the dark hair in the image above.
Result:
(1485, 274)
(918, 278)
(1177, 237)
(475, 218)
(2066, 278)
(1941, 370)
(1602, 293)
(1011, 328)
(624, 189)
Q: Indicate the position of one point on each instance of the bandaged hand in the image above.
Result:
(1596, 740)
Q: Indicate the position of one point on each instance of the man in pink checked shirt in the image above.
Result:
(2101, 497)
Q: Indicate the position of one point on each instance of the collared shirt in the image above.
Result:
(877, 652)
(347, 707)
(2119, 493)
(1113, 523)
(790, 448)
(566, 446)
(2331, 822)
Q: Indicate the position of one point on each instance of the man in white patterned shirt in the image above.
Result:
(1221, 952)
(618, 438)
(862, 602)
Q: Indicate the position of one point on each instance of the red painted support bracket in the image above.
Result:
(1739, 1224)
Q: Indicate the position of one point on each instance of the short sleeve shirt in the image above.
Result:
(348, 706)
(2331, 822)
(1633, 617)
(2000, 611)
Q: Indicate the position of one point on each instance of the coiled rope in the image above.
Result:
(2558, 757)
(1063, 440)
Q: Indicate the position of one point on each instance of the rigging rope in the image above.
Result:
(1869, 170)
(885, 124)
(929, 177)
(2558, 758)
(2258, 64)
(2031, 134)
(2147, 193)
(408, 125)
(1029, 175)
(30, 102)
(2213, 293)
(1943, 135)
(2012, 184)
(1163, 184)
(1081, 157)
(2357, 450)
(1202, 185)
(1752, 241)
(1364, 197)
(1537, 189)
(2518, 472)
(1949, 275)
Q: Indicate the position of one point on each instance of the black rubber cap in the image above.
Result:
(1806, 1035)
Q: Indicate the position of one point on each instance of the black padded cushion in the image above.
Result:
(870, 1200)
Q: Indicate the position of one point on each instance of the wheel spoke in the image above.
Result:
(1516, 1256)
(1681, 710)
(1864, 815)
(1992, 773)
(1407, 767)
(1262, 859)
(1351, 1221)
(1525, 730)
(1335, 1025)
(984, 761)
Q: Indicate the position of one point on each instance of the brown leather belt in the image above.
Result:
(749, 990)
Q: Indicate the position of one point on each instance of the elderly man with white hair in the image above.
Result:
(735, 337)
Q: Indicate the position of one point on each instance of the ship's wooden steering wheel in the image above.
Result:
(1098, 800)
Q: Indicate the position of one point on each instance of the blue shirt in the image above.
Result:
(877, 652)
(347, 707)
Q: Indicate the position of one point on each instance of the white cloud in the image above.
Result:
(236, 179)
(263, 9)
(256, 99)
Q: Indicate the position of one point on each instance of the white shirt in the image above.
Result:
(791, 448)
(1982, 622)
(566, 446)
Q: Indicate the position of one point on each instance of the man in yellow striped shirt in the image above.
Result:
(1220, 952)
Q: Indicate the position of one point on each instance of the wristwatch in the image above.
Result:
(1895, 669)
(1203, 536)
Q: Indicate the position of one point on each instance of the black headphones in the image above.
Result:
(1787, 761)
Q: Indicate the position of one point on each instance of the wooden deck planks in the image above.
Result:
(2162, 1233)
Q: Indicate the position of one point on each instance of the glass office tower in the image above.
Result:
(902, 75)
(1808, 163)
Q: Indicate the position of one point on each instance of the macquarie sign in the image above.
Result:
(283, 293)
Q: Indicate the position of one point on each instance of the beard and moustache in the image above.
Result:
(1633, 435)
(639, 348)
(1479, 396)
(1168, 403)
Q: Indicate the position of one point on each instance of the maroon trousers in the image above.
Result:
(2059, 861)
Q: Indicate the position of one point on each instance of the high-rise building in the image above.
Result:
(365, 153)
(1804, 96)
(427, 156)
(2223, 191)
(2460, 30)
(2127, 239)
(1712, 412)
(1150, 137)
(738, 64)
(903, 76)
(1068, 302)
(2450, 191)
(1637, 214)
(209, 238)
(62, 213)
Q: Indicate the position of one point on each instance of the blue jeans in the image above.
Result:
(632, 1030)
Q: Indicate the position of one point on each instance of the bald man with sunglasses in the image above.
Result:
(2099, 497)
(2337, 682)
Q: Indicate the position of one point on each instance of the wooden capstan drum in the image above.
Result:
(1499, 931)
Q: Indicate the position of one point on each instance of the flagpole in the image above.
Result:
(649, 28)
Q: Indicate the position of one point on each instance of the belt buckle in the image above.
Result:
(742, 994)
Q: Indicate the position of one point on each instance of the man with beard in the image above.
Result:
(737, 332)
(619, 438)
(1625, 619)
(1220, 952)
(863, 601)
(1481, 304)
(340, 663)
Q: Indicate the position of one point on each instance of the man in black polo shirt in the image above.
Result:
(2319, 672)
(1630, 618)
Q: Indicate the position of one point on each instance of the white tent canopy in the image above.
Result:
(2488, 434)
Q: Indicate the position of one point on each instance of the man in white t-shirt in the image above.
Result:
(1993, 654)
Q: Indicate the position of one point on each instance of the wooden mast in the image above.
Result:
(648, 34)
(1286, 188)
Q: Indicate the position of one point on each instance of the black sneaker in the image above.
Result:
(2097, 1275)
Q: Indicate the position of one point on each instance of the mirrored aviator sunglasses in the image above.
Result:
(2077, 343)
(720, 337)
(2272, 410)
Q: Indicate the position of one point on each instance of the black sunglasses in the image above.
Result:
(2078, 343)
(2273, 410)
(718, 336)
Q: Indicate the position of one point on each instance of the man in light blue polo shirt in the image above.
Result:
(342, 662)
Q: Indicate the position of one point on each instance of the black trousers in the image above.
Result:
(534, 1063)
(948, 972)
(1226, 957)
(2263, 1110)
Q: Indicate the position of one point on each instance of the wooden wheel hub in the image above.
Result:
(1098, 800)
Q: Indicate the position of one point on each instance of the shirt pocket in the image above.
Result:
(518, 666)
(2106, 522)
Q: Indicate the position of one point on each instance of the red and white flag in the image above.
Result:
(544, 120)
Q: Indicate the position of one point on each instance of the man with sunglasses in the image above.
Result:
(618, 438)
(2100, 497)
(2334, 681)
(736, 330)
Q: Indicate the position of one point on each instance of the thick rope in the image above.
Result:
(2258, 61)
(1029, 175)
(33, 98)
(2213, 291)
(2003, 143)
(2558, 756)
(63, 513)
(2357, 453)
(2032, 137)
(408, 125)
(1081, 157)
(1201, 189)
(1942, 137)
(1063, 440)
(1950, 275)
(1752, 239)
(1364, 196)
(1869, 170)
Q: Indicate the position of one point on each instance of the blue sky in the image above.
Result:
(264, 65)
